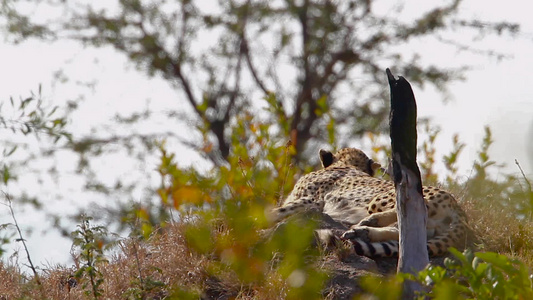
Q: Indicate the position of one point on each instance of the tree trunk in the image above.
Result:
(411, 208)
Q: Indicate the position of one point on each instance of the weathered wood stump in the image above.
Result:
(411, 208)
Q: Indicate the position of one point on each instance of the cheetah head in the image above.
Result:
(349, 157)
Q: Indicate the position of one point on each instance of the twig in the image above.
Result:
(528, 185)
(21, 238)
(523, 174)
(134, 228)
(288, 166)
(243, 172)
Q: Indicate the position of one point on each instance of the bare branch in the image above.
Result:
(21, 238)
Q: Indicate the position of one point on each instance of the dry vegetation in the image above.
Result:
(499, 231)
(164, 267)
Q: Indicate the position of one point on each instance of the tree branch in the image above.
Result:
(251, 66)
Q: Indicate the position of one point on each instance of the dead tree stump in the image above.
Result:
(410, 207)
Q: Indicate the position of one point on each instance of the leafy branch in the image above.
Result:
(90, 241)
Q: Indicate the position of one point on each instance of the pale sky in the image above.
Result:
(498, 94)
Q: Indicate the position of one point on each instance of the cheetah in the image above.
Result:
(346, 190)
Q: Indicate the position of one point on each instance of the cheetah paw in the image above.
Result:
(370, 222)
(360, 233)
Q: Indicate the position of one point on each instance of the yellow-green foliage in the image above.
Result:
(468, 275)
(225, 216)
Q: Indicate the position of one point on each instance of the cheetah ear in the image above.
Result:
(374, 166)
(326, 158)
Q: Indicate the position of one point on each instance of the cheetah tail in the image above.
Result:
(376, 249)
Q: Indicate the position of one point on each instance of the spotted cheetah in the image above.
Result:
(346, 190)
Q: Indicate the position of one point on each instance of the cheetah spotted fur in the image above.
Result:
(346, 190)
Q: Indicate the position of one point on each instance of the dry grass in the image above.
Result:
(497, 228)
(164, 259)
(159, 268)
(165, 267)
(501, 232)
(11, 283)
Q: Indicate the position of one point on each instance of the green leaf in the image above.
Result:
(198, 237)
(10, 151)
(498, 260)
(6, 175)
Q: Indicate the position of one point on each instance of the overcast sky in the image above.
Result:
(496, 93)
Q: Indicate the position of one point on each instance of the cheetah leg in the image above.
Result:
(383, 242)
(454, 235)
(371, 234)
(294, 207)
(373, 241)
(380, 219)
